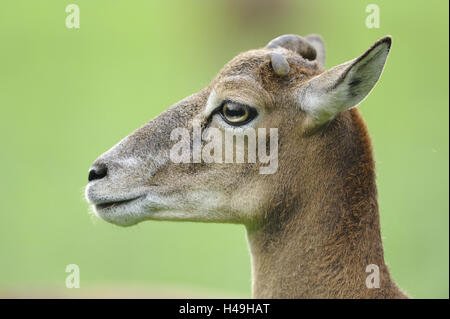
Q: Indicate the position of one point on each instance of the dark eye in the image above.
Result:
(237, 114)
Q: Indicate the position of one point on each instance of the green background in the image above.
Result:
(67, 95)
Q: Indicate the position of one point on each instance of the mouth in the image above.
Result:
(114, 204)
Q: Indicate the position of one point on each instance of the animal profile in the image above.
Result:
(300, 175)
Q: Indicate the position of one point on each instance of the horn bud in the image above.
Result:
(279, 63)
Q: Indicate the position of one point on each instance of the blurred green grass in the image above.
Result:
(68, 95)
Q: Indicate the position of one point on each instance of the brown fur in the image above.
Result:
(320, 237)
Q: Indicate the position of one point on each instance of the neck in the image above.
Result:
(323, 246)
(295, 263)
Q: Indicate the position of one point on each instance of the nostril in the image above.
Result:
(97, 172)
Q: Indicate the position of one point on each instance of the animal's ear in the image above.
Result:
(344, 86)
(318, 44)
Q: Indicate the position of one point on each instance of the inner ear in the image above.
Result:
(365, 71)
(343, 86)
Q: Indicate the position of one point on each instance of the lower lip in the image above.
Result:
(111, 205)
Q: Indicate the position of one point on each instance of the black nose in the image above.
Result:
(97, 172)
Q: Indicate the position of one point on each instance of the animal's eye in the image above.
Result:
(237, 114)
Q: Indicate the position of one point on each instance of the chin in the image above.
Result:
(125, 213)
